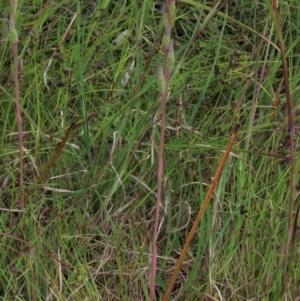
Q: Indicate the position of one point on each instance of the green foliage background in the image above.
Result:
(94, 210)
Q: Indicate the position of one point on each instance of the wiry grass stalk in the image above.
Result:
(14, 42)
(291, 131)
(199, 216)
(163, 86)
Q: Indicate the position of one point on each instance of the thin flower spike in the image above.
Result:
(166, 38)
(172, 9)
(13, 35)
(14, 5)
(170, 57)
(165, 15)
(161, 80)
(13, 32)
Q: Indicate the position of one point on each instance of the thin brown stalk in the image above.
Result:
(15, 41)
(163, 86)
(291, 130)
(199, 216)
(160, 173)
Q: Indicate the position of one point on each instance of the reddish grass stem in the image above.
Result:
(163, 86)
(291, 130)
(15, 41)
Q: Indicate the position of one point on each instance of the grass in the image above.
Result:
(86, 230)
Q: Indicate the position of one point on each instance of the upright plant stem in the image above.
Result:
(291, 130)
(160, 173)
(14, 41)
(163, 87)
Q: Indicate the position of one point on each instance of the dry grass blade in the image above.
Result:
(199, 216)
(57, 153)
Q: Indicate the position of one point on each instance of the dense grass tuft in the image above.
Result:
(86, 230)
